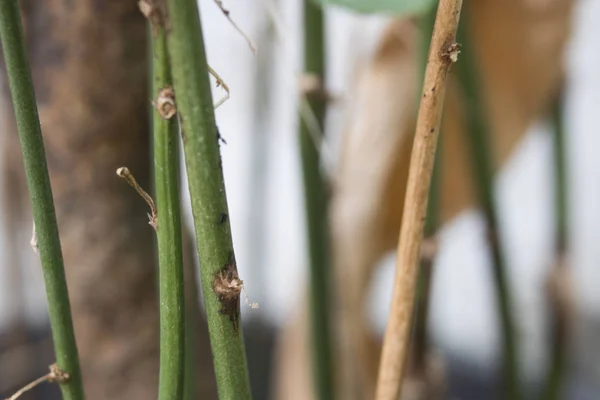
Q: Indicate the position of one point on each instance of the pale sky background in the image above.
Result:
(462, 316)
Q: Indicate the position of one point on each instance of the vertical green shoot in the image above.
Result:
(483, 175)
(316, 204)
(560, 320)
(170, 257)
(38, 182)
(221, 283)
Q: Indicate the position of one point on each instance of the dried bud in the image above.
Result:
(165, 103)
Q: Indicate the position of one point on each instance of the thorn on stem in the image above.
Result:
(220, 138)
(124, 173)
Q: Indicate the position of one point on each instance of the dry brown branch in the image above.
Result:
(124, 173)
(442, 54)
(225, 12)
(55, 375)
(220, 83)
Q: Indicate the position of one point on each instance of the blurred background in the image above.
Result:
(264, 188)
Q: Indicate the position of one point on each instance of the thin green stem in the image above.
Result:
(483, 174)
(559, 320)
(316, 204)
(560, 173)
(170, 256)
(38, 182)
(220, 280)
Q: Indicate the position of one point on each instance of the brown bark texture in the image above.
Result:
(519, 45)
(90, 68)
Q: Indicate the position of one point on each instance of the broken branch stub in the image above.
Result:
(228, 286)
(165, 103)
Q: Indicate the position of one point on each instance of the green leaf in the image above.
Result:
(395, 7)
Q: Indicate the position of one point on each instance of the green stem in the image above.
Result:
(483, 173)
(560, 172)
(220, 281)
(38, 182)
(559, 321)
(316, 204)
(170, 256)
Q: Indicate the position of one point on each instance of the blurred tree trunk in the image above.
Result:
(89, 63)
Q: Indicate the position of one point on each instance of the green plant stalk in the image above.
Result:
(316, 205)
(420, 341)
(482, 167)
(220, 281)
(558, 345)
(170, 255)
(560, 173)
(38, 182)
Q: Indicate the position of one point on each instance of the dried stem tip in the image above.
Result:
(55, 375)
(165, 103)
(220, 83)
(124, 173)
(225, 12)
(154, 11)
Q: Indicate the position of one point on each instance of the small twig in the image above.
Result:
(124, 173)
(559, 283)
(220, 83)
(34, 242)
(225, 12)
(442, 54)
(312, 86)
(55, 375)
(251, 304)
(312, 123)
